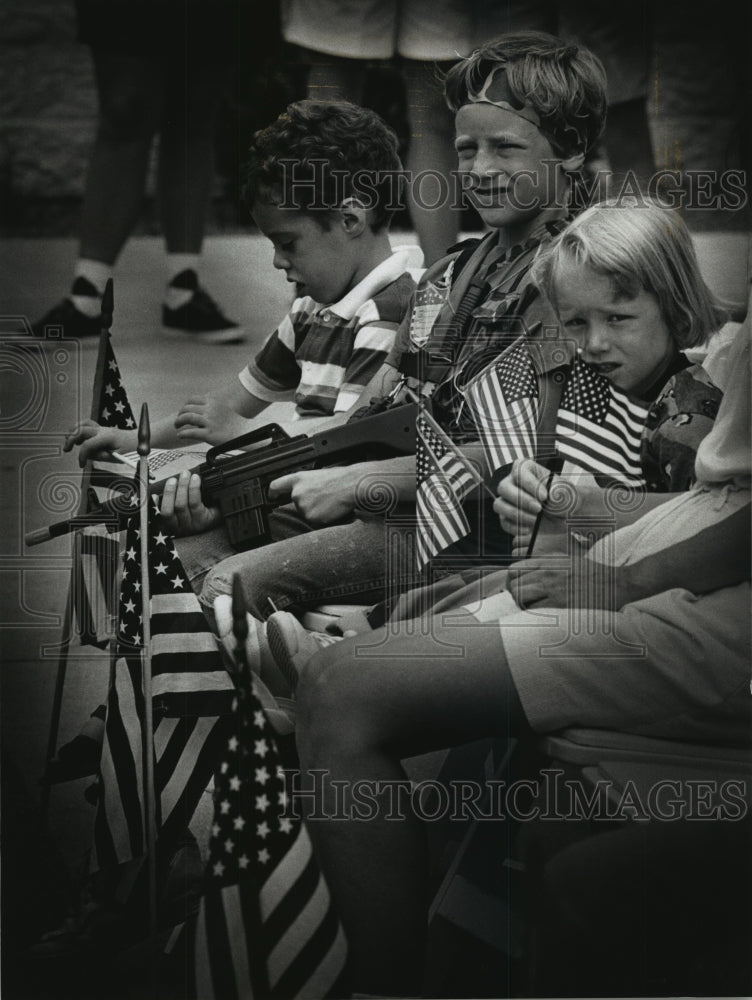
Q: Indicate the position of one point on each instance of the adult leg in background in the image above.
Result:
(186, 151)
(430, 156)
(131, 96)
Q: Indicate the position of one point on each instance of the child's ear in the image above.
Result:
(573, 162)
(353, 217)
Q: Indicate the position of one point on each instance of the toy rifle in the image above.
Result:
(238, 484)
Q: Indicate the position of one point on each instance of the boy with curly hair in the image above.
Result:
(322, 185)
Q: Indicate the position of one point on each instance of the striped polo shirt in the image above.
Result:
(322, 356)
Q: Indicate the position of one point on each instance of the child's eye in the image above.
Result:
(288, 245)
(574, 323)
(465, 149)
(618, 317)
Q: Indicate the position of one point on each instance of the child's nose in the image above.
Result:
(596, 339)
(485, 165)
(281, 261)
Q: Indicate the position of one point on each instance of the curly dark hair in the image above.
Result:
(317, 153)
(563, 82)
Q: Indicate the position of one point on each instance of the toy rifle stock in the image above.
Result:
(238, 484)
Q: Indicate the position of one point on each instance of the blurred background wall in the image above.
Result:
(699, 105)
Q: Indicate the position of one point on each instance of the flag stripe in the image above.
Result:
(163, 731)
(323, 980)
(234, 912)
(297, 892)
(290, 946)
(177, 777)
(610, 434)
(196, 779)
(167, 644)
(287, 872)
(181, 704)
(218, 933)
(186, 665)
(299, 978)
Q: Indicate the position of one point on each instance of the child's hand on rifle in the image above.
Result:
(96, 441)
(322, 496)
(182, 508)
(210, 419)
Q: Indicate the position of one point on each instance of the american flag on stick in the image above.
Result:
(266, 926)
(504, 402)
(443, 478)
(96, 549)
(192, 693)
(598, 427)
(111, 407)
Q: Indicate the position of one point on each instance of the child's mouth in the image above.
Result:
(490, 197)
(604, 368)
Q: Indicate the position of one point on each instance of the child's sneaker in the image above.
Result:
(198, 316)
(73, 322)
(293, 646)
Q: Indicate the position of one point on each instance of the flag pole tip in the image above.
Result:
(239, 620)
(144, 431)
(108, 304)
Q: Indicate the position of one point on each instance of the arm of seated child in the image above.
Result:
(328, 496)
(218, 417)
(182, 509)
(97, 442)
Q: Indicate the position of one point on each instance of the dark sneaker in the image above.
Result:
(200, 317)
(70, 320)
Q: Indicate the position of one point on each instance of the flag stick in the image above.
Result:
(105, 323)
(450, 445)
(239, 624)
(556, 464)
(144, 445)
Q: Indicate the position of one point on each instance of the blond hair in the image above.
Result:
(644, 247)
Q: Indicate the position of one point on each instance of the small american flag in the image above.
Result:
(191, 693)
(504, 402)
(443, 480)
(94, 579)
(112, 409)
(266, 926)
(599, 428)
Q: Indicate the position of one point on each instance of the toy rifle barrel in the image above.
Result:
(393, 430)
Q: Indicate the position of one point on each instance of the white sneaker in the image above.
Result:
(292, 646)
